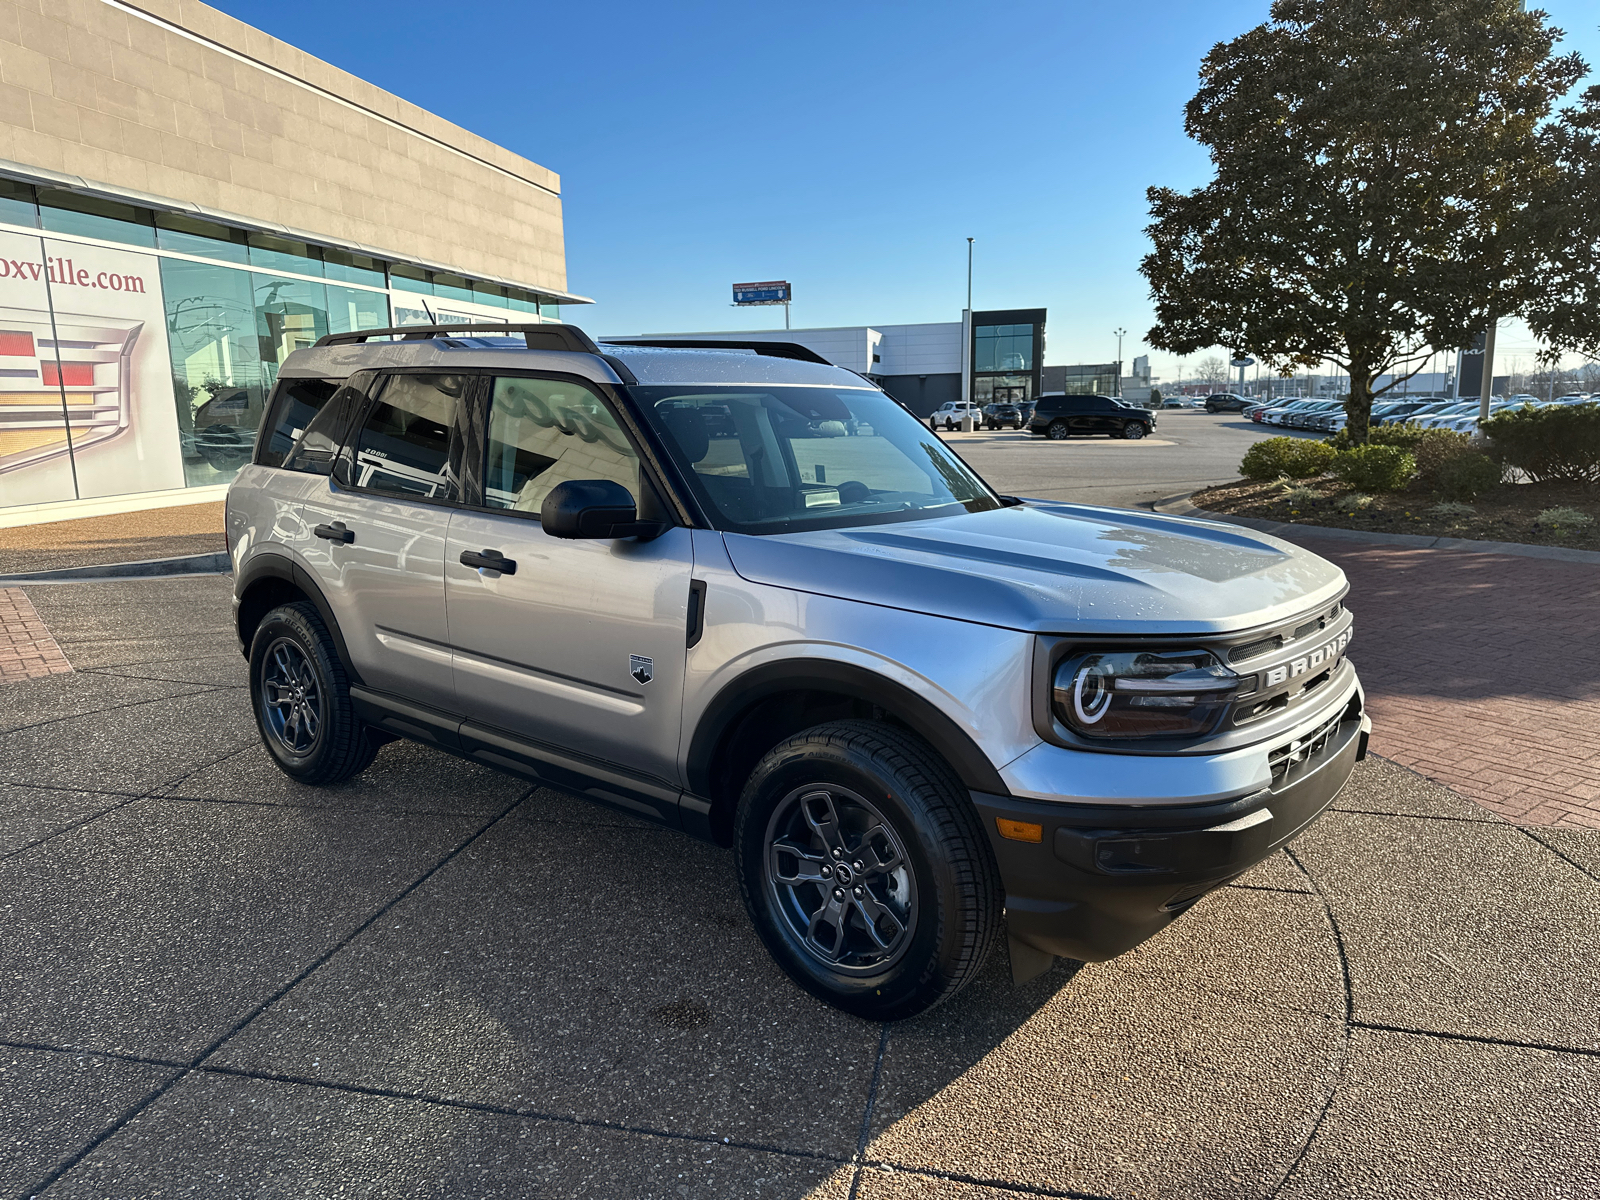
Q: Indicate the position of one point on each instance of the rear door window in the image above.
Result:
(409, 444)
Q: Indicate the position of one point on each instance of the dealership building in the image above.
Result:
(184, 201)
(989, 356)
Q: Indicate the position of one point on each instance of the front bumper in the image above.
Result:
(1102, 879)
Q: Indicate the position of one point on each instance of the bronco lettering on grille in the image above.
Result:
(1328, 654)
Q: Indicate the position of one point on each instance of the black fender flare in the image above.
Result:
(267, 564)
(807, 674)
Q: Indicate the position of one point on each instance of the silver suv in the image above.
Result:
(745, 594)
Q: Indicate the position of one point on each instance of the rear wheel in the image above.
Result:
(1057, 432)
(301, 698)
(865, 871)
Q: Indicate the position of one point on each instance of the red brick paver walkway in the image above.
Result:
(27, 651)
(1482, 672)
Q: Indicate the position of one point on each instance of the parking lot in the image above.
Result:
(438, 981)
(1189, 450)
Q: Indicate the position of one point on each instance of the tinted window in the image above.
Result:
(1050, 404)
(295, 403)
(404, 447)
(319, 444)
(546, 431)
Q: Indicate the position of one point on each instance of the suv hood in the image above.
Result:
(1046, 567)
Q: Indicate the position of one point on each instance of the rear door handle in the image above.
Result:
(335, 533)
(489, 560)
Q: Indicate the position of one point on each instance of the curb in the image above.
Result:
(150, 568)
(1180, 506)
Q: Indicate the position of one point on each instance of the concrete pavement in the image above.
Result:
(434, 980)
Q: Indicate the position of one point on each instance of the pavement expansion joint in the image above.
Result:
(1559, 853)
(200, 689)
(998, 1185)
(1342, 1066)
(1476, 1038)
(1488, 818)
(866, 1113)
(527, 1114)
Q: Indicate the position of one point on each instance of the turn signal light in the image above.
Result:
(1019, 831)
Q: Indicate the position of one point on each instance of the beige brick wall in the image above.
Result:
(116, 94)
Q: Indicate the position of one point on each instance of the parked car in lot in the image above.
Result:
(998, 416)
(948, 415)
(1059, 417)
(920, 713)
(1304, 416)
(1221, 402)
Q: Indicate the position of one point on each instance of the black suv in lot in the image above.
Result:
(1221, 402)
(1059, 417)
(997, 416)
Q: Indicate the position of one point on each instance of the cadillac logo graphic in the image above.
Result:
(79, 372)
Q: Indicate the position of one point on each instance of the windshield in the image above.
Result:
(781, 459)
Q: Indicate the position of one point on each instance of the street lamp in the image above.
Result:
(969, 274)
(1119, 332)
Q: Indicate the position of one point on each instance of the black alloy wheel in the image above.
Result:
(1058, 431)
(301, 697)
(1133, 430)
(865, 870)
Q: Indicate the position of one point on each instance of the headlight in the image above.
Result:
(1143, 693)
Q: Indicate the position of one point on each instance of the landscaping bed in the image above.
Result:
(1508, 513)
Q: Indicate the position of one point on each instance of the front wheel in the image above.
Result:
(865, 871)
(301, 698)
(1133, 431)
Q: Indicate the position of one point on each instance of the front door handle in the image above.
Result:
(335, 533)
(489, 560)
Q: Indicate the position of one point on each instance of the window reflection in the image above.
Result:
(1003, 348)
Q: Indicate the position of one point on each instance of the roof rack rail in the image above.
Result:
(537, 337)
(771, 349)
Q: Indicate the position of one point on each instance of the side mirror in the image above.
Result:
(593, 508)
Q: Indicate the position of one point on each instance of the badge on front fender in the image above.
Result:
(641, 668)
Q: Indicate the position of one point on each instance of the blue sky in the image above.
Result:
(850, 148)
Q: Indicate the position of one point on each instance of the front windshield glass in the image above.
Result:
(780, 459)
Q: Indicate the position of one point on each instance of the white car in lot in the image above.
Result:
(948, 415)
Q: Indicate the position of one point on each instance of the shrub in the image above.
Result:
(1559, 443)
(1354, 503)
(1564, 517)
(1375, 468)
(1435, 448)
(1467, 476)
(1405, 436)
(1298, 458)
(1451, 510)
(1301, 497)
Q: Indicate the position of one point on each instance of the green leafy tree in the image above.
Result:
(1376, 165)
(1565, 311)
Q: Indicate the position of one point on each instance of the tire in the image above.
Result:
(1058, 431)
(1133, 430)
(933, 425)
(323, 742)
(937, 907)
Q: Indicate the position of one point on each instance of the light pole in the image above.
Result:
(1119, 331)
(969, 274)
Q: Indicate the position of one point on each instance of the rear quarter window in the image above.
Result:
(294, 405)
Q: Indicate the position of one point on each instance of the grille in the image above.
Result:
(1293, 759)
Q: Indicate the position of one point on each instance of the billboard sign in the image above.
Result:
(85, 383)
(776, 291)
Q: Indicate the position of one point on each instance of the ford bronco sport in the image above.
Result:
(920, 712)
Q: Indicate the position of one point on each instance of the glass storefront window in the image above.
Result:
(1002, 389)
(410, 279)
(523, 302)
(89, 216)
(350, 309)
(281, 254)
(1003, 348)
(452, 287)
(291, 314)
(17, 206)
(550, 312)
(216, 367)
(491, 294)
(353, 268)
(189, 235)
